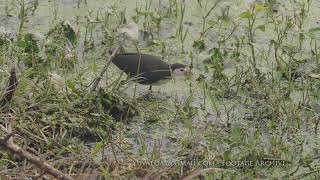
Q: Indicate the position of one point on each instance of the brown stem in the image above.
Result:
(196, 145)
(7, 143)
(12, 86)
(105, 68)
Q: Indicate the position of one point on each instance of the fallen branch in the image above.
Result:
(105, 68)
(7, 138)
(7, 143)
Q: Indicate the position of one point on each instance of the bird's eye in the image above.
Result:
(181, 70)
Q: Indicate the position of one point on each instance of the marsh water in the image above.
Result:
(157, 127)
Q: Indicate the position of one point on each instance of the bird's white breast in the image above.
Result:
(162, 81)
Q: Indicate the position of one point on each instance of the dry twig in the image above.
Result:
(7, 143)
(105, 68)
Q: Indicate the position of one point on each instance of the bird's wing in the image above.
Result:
(147, 67)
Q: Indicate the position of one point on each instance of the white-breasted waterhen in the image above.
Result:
(148, 69)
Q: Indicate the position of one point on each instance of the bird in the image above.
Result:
(148, 69)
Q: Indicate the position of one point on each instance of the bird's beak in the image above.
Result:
(187, 71)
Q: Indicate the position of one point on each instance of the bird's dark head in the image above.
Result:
(179, 69)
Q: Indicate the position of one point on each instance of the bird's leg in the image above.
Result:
(150, 88)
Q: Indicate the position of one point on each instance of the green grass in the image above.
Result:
(252, 100)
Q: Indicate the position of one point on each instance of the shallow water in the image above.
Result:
(168, 129)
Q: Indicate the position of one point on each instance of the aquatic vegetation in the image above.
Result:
(249, 109)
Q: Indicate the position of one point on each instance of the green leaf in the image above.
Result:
(290, 25)
(71, 85)
(216, 55)
(212, 22)
(94, 66)
(262, 28)
(199, 44)
(246, 14)
(314, 33)
(227, 155)
(145, 13)
(98, 148)
(260, 8)
(214, 102)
